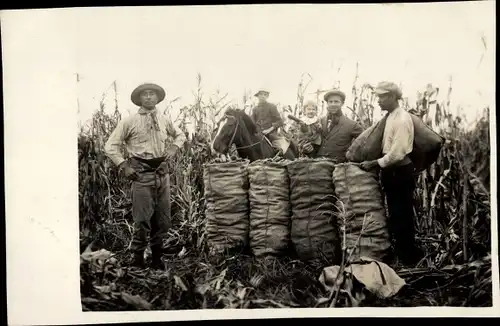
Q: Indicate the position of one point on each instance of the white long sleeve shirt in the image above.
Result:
(398, 137)
(146, 135)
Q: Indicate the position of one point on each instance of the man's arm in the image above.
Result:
(402, 143)
(176, 133)
(356, 130)
(276, 116)
(115, 141)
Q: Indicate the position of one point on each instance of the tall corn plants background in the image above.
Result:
(452, 205)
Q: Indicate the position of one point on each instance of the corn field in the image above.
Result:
(452, 205)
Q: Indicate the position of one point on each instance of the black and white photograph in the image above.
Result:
(247, 157)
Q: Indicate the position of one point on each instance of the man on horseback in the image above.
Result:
(268, 121)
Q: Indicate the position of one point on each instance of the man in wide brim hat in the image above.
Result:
(151, 141)
(136, 93)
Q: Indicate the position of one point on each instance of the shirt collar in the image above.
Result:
(146, 111)
(309, 121)
(395, 111)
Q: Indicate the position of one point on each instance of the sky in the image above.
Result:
(241, 48)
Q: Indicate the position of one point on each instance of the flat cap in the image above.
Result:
(334, 92)
(388, 87)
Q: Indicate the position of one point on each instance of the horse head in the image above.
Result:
(238, 128)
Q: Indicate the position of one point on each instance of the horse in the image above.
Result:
(238, 128)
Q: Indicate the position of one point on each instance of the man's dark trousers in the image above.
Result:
(398, 183)
(150, 206)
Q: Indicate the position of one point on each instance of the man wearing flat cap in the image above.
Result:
(338, 131)
(145, 135)
(397, 171)
(268, 120)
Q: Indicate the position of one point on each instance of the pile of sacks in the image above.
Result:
(323, 209)
(314, 205)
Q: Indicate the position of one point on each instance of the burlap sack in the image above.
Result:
(363, 213)
(269, 208)
(314, 231)
(227, 205)
(368, 145)
(426, 144)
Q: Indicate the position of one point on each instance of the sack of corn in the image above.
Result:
(227, 207)
(362, 214)
(368, 145)
(269, 208)
(314, 232)
(426, 144)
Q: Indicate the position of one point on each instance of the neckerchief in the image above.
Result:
(152, 117)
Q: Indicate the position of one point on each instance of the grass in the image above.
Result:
(452, 205)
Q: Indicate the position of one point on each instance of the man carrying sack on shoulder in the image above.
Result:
(397, 171)
(145, 135)
(268, 120)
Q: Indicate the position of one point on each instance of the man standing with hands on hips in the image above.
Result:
(145, 135)
(397, 171)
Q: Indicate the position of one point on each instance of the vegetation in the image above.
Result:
(452, 204)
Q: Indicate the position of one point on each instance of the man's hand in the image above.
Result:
(163, 168)
(368, 165)
(307, 148)
(267, 131)
(128, 172)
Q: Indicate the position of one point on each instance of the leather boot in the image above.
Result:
(138, 259)
(156, 262)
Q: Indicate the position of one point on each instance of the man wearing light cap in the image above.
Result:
(397, 171)
(268, 120)
(338, 131)
(145, 135)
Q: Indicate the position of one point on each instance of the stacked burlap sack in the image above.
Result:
(362, 218)
(269, 208)
(227, 205)
(314, 232)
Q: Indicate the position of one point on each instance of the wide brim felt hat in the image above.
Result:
(334, 92)
(135, 97)
(261, 90)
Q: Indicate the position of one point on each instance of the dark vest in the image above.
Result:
(337, 140)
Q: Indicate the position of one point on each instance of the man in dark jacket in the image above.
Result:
(268, 120)
(338, 131)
